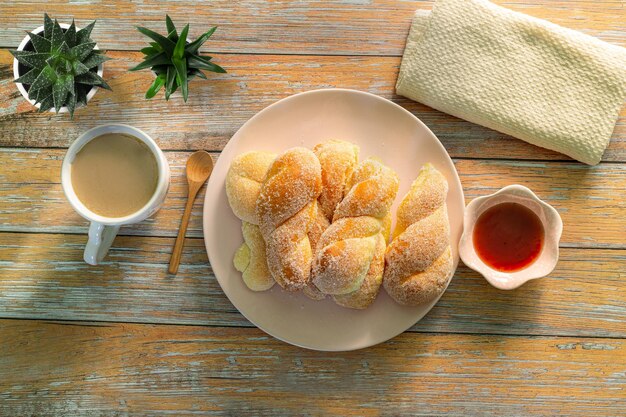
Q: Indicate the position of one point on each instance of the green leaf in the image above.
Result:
(60, 90)
(94, 59)
(46, 103)
(170, 82)
(179, 49)
(47, 26)
(156, 46)
(83, 50)
(165, 43)
(149, 51)
(82, 36)
(160, 59)
(31, 59)
(79, 68)
(160, 69)
(81, 91)
(29, 77)
(71, 104)
(40, 43)
(64, 50)
(57, 35)
(70, 34)
(181, 76)
(91, 78)
(156, 86)
(170, 25)
(199, 62)
(193, 47)
(198, 73)
(46, 78)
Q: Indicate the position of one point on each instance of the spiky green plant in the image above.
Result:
(62, 67)
(174, 60)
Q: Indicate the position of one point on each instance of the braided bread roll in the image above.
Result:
(419, 260)
(243, 183)
(337, 160)
(349, 261)
(287, 209)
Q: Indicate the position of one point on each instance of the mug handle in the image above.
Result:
(100, 238)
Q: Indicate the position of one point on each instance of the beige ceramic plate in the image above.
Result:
(381, 129)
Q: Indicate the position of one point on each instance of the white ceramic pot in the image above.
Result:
(20, 86)
(103, 230)
(552, 226)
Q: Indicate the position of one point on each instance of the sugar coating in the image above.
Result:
(349, 261)
(287, 212)
(243, 183)
(338, 160)
(418, 260)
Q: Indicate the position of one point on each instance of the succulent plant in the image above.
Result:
(62, 67)
(174, 60)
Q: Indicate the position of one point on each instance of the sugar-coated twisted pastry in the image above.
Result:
(287, 209)
(419, 261)
(349, 260)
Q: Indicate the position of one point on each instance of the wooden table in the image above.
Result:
(125, 338)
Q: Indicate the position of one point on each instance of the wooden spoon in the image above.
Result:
(199, 167)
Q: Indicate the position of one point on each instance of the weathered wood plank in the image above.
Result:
(589, 199)
(217, 108)
(125, 369)
(345, 27)
(44, 277)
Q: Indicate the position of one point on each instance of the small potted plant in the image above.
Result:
(175, 60)
(58, 67)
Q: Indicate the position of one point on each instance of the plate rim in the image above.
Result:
(231, 142)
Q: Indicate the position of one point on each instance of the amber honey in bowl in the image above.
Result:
(508, 237)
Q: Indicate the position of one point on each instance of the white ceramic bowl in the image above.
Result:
(549, 256)
(20, 86)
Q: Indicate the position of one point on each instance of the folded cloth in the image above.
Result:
(528, 78)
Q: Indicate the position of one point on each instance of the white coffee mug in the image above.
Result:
(102, 230)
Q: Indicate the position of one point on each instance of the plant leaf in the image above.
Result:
(170, 25)
(156, 86)
(160, 69)
(83, 50)
(64, 50)
(45, 79)
(70, 35)
(71, 103)
(60, 90)
(57, 35)
(40, 43)
(91, 78)
(179, 49)
(81, 91)
(79, 68)
(47, 26)
(199, 73)
(170, 82)
(46, 103)
(165, 43)
(193, 47)
(159, 59)
(31, 59)
(82, 36)
(181, 76)
(95, 59)
(149, 51)
(156, 46)
(29, 77)
(199, 62)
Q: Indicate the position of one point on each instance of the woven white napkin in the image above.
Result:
(528, 78)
